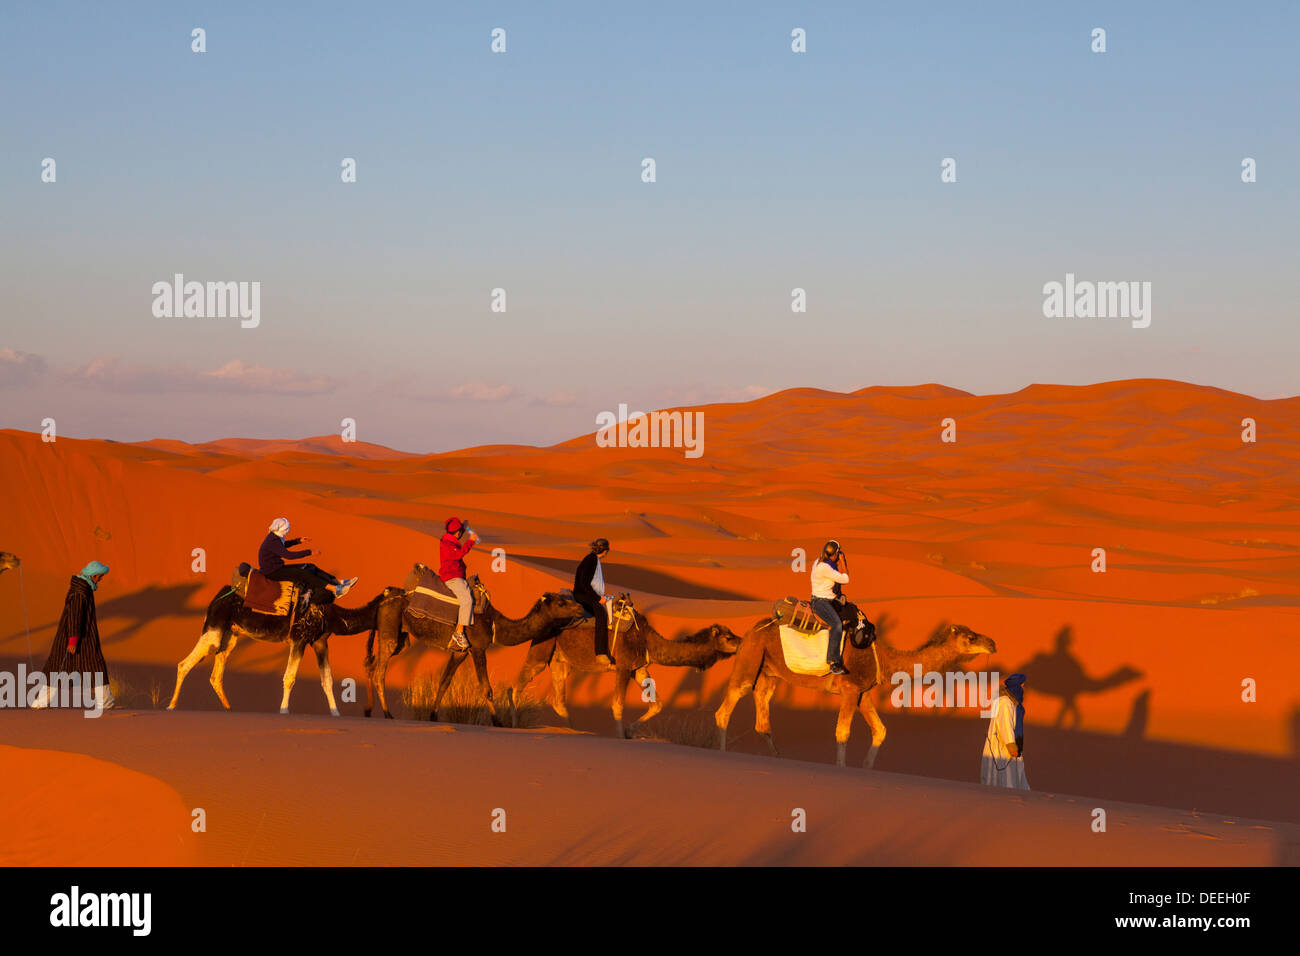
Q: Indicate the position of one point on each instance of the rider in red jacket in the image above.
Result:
(451, 568)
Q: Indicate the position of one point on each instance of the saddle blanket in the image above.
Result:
(806, 653)
(430, 598)
(273, 598)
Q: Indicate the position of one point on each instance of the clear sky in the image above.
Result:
(522, 171)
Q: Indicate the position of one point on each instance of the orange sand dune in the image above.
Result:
(66, 809)
(1201, 592)
(301, 791)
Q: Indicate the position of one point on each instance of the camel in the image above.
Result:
(637, 646)
(228, 620)
(8, 561)
(760, 663)
(1059, 673)
(547, 617)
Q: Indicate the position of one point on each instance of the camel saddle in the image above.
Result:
(259, 593)
(798, 616)
(619, 612)
(429, 598)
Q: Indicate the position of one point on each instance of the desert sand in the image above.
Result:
(306, 790)
(996, 531)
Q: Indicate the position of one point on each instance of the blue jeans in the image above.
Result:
(829, 613)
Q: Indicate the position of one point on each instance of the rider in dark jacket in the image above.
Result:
(589, 591)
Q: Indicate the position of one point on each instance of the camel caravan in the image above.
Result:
(825, 643)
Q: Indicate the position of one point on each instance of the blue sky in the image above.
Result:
(522, 171)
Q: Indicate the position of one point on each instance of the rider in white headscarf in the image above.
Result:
(273, 554)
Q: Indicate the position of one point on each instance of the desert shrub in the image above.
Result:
(463, 704)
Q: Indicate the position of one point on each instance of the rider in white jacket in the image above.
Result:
(825, 575)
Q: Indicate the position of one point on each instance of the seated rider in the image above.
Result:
(451, 568)
(273, 554)
(589, 591)
(826, 578)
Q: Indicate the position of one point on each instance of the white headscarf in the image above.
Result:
(280, 526)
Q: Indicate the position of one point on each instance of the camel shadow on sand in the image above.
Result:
(1059, 673)
(1061, 757)
(122, 616)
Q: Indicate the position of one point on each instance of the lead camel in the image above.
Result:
(760, 663)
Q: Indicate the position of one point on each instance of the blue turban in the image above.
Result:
(88, 573)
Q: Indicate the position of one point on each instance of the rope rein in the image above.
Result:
(22, 590)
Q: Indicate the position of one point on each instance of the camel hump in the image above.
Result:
(239, 578)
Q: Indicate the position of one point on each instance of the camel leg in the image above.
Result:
(379, 680)
(291, 674)
(621, 677)
(208, 640)
(369, 665)
(868, 709)
(219, 670)
(559, 690)
(744, 673)
(484, 684)
(764, 687)
(322, 649)
(656, 705)
(539, 657)
(444, 679)
(376, 674)
(843, 726)
(379, 674)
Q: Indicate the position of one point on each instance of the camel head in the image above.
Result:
(1123, 675)
(965, 643)
(559, 608)
(723, 639)
(8, 561)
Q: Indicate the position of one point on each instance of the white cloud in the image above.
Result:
(19, 368)
(561, 399)
(235, 376)
(483, 392)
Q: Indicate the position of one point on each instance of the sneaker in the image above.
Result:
(458, 641)
(344, 587)
(838, 668)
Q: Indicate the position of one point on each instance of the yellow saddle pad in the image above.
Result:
(806, 653)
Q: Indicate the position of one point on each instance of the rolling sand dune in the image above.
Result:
(66, 809)
(302, 791)
(1144, 663)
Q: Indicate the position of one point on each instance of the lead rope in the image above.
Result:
(993, 729)
(22, 590)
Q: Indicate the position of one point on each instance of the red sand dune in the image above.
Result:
(66, 809)
(1201, 531)
(296, 791)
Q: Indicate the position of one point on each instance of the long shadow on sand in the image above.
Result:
(1123, 767)
(1106, 766)
(128, 612)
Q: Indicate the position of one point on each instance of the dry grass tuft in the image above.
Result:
(463, 704)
